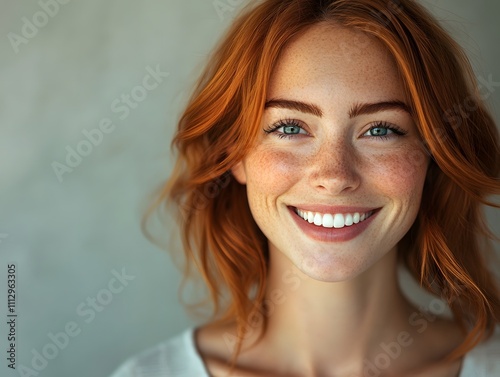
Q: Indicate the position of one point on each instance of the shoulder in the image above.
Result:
(176, 357)
(484, 359)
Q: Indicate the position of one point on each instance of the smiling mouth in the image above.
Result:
(335, 220)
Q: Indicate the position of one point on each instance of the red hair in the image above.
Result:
(444, 249)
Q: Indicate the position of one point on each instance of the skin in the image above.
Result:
(342, 299)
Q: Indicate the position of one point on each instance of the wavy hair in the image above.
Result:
(446, 249)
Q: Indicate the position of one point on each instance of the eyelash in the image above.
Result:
(283, 123)
(292, 122)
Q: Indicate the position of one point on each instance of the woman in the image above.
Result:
(326, 142)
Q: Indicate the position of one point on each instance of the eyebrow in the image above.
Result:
(356, 110)
(294, 105)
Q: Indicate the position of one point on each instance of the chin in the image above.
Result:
(332, 271)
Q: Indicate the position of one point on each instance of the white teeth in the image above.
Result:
(318, 219)
(337, 220)
(328, 221)
(310, 217)
(348, 219)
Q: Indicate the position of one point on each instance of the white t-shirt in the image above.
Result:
(178, 357)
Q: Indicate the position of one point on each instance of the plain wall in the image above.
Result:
(69, 237)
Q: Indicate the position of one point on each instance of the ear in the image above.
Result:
(239, 173)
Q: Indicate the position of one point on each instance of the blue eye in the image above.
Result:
(290, 130)
(286, 128)
(382, 130)
(379, 131)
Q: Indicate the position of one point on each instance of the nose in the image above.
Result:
(335, 168)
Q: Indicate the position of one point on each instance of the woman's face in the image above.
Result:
(339, 148)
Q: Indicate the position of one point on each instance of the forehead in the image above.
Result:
(334, 61)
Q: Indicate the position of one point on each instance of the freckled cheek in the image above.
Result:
(275, 170)
(399, 172)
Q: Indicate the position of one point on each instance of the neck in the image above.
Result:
(351, 317)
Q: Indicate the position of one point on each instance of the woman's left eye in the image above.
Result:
(384, 131)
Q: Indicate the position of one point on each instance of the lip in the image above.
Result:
(332, 209)
(322, 234)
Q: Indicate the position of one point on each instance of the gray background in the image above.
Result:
(67, 237)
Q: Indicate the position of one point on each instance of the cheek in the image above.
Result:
(401, 172)
(270, 173)
(273, 170)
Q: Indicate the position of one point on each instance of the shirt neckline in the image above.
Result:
(194, 354)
